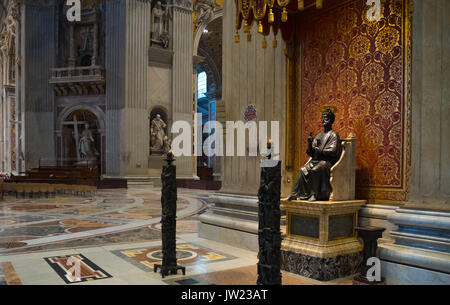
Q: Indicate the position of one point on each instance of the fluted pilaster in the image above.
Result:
(251, 75)
(182, 100)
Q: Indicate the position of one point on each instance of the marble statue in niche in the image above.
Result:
(160, 24)
(158, 137)
(313, 179)
(86, 146)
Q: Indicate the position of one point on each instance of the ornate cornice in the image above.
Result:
(186, 5)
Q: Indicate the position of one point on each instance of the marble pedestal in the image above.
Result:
(321, 241)
(233, 220)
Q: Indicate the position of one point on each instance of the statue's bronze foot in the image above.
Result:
(312, 198)
(290, 198)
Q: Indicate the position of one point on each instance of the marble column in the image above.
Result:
(34, 94)
(251, 75)
(182, 99)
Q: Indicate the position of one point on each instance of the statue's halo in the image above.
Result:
(333, 108)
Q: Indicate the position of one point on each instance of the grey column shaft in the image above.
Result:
(182, 78)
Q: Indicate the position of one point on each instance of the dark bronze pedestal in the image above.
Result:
(269, 235)
(168, 220)
(369, 235)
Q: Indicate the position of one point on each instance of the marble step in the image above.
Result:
(139, 181)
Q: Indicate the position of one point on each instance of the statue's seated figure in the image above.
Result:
(313, 179)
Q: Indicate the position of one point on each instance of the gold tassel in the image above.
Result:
(249, 37)
(237, 38)
(260, 28)
(271, 16)
(246, 27)
(275, 43)
(319, 4)
(301, 5)
(264, 43)
(284, 15)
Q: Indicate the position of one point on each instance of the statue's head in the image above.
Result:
(158, 4)
(158, 116)
(86, 125)
(328, 118)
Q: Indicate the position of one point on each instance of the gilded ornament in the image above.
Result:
(237, 38)
(319, 4)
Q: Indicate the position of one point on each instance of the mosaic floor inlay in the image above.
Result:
(28, 223)
(187, 254)
(8, 275)
(65, 267)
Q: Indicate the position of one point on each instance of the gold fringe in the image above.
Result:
(249, 37)
(284, 15)
(275, 43)
(260, 28)
(237, 38)
(246, 27)
(264, 43)
(271, 16)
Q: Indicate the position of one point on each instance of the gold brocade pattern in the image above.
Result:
(363, 69)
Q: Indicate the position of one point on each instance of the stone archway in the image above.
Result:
(208, 57)
(70, 126)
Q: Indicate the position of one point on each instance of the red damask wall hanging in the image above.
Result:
(363, 68)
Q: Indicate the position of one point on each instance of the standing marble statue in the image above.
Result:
(160, 24)
(313, 180)
(157, 20)
(86, 145)
(158, 134)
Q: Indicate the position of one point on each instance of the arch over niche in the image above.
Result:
(66, 150)
(97, 111)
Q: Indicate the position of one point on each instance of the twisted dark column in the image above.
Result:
(168, 219)
(269, 235)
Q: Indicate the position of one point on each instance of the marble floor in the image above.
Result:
(115, 237)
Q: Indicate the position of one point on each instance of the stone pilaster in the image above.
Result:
(127, 43)
(182, 100)
(115, 89)
(136, 125)
(34, 94)
(430, 180)
(250, 75)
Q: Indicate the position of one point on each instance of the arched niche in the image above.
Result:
(66, 147)
(162, 111)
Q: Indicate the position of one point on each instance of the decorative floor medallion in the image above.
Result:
(145, 258)
(65, 267)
